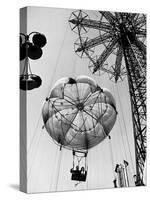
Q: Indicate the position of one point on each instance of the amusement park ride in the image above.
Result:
(78, 114)
(124, 36)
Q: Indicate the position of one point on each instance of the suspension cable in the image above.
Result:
(58, 167)
(125, 129)
(35, 133)
(111, 156)
(39, 119)
(57, 61)
(34, 155)
(122, 139)
(124, 153)
(55, 163)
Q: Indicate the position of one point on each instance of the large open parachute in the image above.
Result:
(79, 114)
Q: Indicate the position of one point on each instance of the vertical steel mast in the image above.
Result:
(124, 36)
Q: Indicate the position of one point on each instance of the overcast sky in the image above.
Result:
(59, 60)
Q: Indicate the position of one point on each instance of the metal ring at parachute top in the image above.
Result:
(94, 64)
(114, 77)
(30, 81)
(80, 47)
(75, 22)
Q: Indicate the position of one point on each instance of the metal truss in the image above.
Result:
(124, 35)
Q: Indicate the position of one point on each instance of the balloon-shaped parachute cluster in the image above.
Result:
(32, 48)
(79, 114)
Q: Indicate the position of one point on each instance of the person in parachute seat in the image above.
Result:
(78, 175)
(75, 174)
(83, 174)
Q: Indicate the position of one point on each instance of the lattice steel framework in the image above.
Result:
(124, 36)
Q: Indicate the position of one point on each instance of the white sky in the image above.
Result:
(59, 60)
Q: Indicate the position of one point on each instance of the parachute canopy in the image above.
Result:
(79, 114)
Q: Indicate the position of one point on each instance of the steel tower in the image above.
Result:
(124, 36)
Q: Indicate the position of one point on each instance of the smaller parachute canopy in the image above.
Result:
(79, 114)
(39, 40)
(34, 52)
